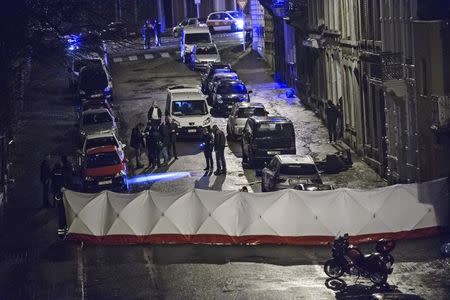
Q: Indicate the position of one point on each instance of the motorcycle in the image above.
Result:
(349, 259)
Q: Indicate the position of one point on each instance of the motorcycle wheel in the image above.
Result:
(333, 269)
(378, 278)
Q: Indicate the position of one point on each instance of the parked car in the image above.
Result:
(226, 20)
(212, 69)
(202, 55)
(228, 92)
(114, 31)
(79, 61)
(96, 121)
(96, 103)
(188, 107)
(188, 22)
(89, 41)
(289, 171)
(104, 168)
(93, 83)
(265, 137)
(218, 77)
(101, 139)
(192, 36)
(238, 117)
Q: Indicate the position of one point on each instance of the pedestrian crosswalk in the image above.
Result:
(146, 56)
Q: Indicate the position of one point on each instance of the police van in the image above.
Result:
(187, 105)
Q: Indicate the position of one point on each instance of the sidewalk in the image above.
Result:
(311, 134)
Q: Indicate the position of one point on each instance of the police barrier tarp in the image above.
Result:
(283, 217)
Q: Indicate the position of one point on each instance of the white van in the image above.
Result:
(192, 36)
(188, 107)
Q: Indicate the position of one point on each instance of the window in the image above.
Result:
(275, 130)
(237, 88)
(214, 17)
(206, 50)
(102, 141)
(191, 22)
(184, 23)
(197, 38)
(92, 119)
(102, 160)
(247, 112)
(189, 108)
(298, 169)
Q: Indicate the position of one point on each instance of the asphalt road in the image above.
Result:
(35, 265)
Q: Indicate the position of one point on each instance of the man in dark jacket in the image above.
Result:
(137, 142)
(208, 145)
(173, 127)
(164, 130)
(332, 114)
(148, 29)
(154, 114)
(57, 185)
(67, 172)
(153, 142)
(219, 148)
(157, 32)
(45, 180)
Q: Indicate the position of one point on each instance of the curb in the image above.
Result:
(241, 56)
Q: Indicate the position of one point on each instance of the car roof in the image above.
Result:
(100, 135)
(196, 30)
(249, 104)
(295, 159)
(219, 65)
(102, 149)
(186, 93)
(271, 119)
(231, 81)
(205, 45)
(225, 74)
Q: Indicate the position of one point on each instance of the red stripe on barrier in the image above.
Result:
(218, 239)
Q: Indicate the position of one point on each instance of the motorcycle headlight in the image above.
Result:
(82, 132)
(207, 121)
(219, 99)
(89, 178)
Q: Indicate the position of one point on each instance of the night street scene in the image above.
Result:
(225, 149)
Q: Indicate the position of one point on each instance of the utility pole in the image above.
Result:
(161, 15)
(197, 3)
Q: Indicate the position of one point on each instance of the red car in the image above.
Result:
(104, 168)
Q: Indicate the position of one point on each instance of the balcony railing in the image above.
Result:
(385, 66)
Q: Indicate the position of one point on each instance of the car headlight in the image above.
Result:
(82, 92)
(207, 121)
(89, 178)
(219, 99)
(240, 24)
(82, 132)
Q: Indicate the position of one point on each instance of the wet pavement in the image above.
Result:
(34, 264)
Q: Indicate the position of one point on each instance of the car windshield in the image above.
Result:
(236, 14)
(216, 71)
(93, 79)
(91, 119)
(104, 159)
(206, 50)
(236, 88)
(298, 169)
(78, 64)
(247, 112)
(197, 38)
(189, 108)
(101, 141)
(274, 130)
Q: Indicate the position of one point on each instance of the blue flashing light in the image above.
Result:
(290, 93)
(149, 178)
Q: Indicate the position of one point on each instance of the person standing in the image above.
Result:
(67, 172)
(45, 180)
(332, 114)
(340, 125)
(137, 142)
(208, 145)
(57, 185)
(173, 127)
(165, 141)
(219, 148)
(154, 114)
(157, 32)
(148, 29)
(153, 145)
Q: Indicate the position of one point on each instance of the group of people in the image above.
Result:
(334, 114)
(152, 29)
(214, 140)
(53, 179)
(159, 137)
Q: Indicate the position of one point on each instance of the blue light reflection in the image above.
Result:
(149, 178)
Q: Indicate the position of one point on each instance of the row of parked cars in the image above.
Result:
(101, 158)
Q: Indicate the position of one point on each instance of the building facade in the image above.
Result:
(363, 55)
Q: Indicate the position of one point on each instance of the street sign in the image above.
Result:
(197, 1)
(242, 3)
